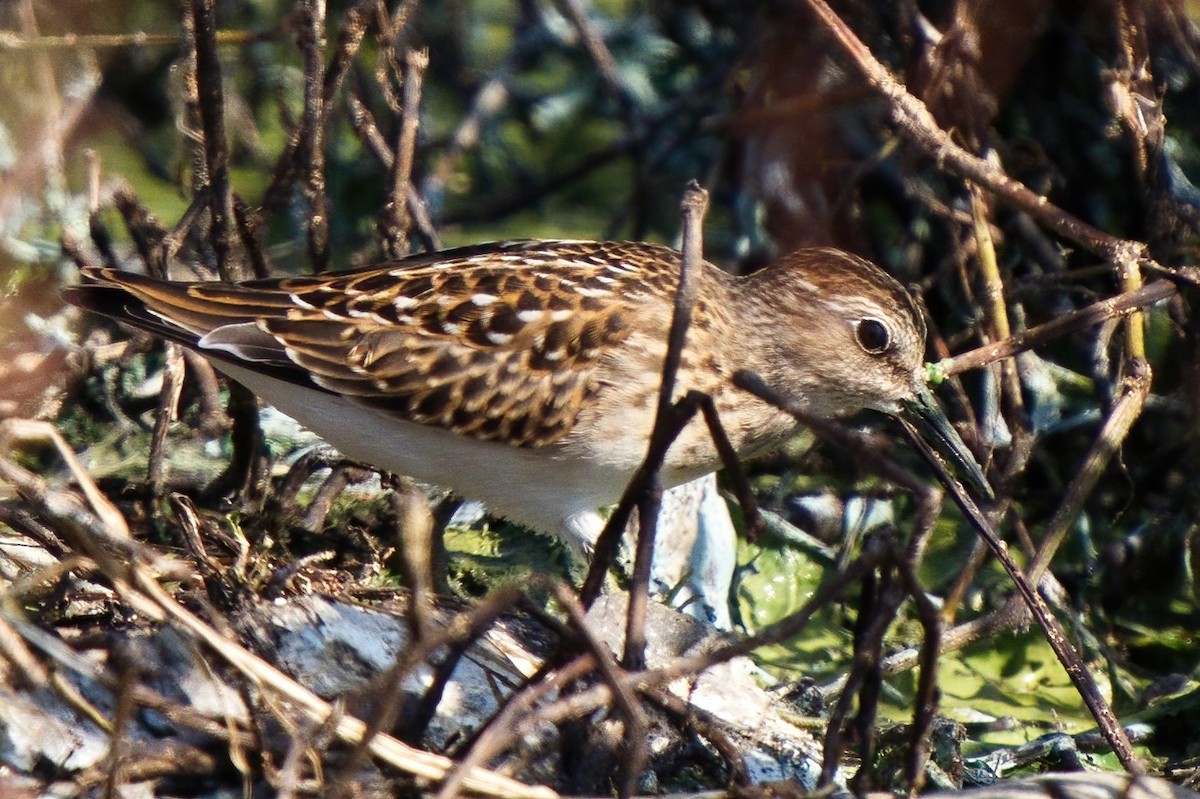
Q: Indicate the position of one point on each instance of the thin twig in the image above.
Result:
(311, 149)
(81, 41)
(467, 627)
(168, 411)
(785, 629)
(637, 753)
(694, 205)
(501, 728)
(925, 700)
(602, 59)
(1055, 635)
(1126, 411)
(210, 95)
(290, 164)
(397, 221)
(919, 126)
(1112, 308)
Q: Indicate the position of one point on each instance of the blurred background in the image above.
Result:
(578, 118)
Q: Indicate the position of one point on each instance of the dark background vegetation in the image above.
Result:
(575, 119)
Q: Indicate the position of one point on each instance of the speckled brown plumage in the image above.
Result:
(526, 373)
(498, 342)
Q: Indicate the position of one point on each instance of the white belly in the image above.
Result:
(543, 489)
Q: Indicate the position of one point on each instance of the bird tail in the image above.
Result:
(180, 311)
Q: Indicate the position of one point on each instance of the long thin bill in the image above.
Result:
(923, 409)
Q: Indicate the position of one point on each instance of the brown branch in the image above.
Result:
(210, 97)
(247, 220)
(667, 427)
(1053, 630)
(694, 205)
(86, 41)
(145, 230)
(602, 58)
(637, 753)
(918, 126)
(311, 150)
(1126, 411)
(1105, 310)
(168, 411)
(778, 632)
(367, 130)
(396, 219)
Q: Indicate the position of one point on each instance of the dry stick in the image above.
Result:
(168, 412)
(397, 221)
(84, 41)
(649, 505)
(216, 150)
(499, 730)
(694, 205)
(118, 748)
(27, 671)
(785, 629)
(929, 505)
(340, 476)
(363, 122)
(1135, 390)
(286, 494)
(247, 436)
(1143, 121)
(993, 287)
(35, 490)
(418, 763)
(208, 386)
(1105, 310)
(144, 229)
(467, 627)
(73, 521)
(926, 699)
(419, 216)
(713, 729)
(289, 164)
(859, 447)
(311, 150)
(602, 59)
(919, 126)
(1056, 636)
(17, 516)
(414, 525)
(636, 727)
(173, 241)
(752, 519)
(247, 222)
(188, 518)
(356, 21)
(864, 680)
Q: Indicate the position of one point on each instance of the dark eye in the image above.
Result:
(872, 336)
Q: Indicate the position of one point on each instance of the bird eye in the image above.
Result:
(872, 336)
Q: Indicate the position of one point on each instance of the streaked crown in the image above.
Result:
(856, 338)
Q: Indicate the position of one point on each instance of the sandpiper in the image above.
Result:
(525, 374)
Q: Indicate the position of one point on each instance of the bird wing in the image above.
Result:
(498, 342)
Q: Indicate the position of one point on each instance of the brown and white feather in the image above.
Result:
(526, 373)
